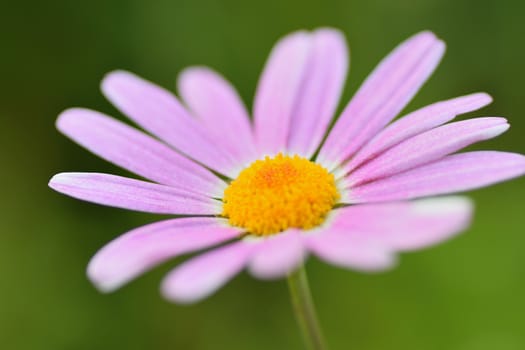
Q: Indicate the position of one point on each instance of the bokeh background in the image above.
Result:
(466, 294)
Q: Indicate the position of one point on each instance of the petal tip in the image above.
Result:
(188, 78)
(104, 286)
(57, 180)
(336, 39)
(334, 32)
(51, 183)
(440, 47)
(100, 278)
(65, 118)
(484, 98)
(173, 293)
(296, 37)
(196, 69)
(269, 273)
(112, 79)
(387, 262)
(462, 207)
(426, 35)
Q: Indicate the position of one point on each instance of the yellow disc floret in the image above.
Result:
(277, 193)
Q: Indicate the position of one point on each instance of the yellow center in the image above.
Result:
(277, 193)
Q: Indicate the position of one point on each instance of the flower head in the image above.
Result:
(271, 189)
(275, 194)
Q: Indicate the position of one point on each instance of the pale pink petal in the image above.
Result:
(353, 251)
(458, 172)
(133, 150)
(277, 91)
(159, 112)
(143, 248)
(218, 105)
(382, 96)
(278, 255)
(122, 192)
(427, 147)
(406, 225)
(201, 276)
(320, 91)
(419, 121)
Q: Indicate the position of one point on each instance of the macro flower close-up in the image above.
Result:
(296, 175)
(264, 192)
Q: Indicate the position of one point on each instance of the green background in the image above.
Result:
(467, 294)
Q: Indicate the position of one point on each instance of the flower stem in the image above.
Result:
(305, 310)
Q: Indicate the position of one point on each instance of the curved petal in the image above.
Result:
(415, 123)
(216, 103)
(427, 147)
(455, 173)
(277, 91)
(126, 193)
(201, 276)
(406, 225)
(159, 112)
(141, 249)
(382, 96)
(319, 92)
(131, 149)
(350, 251)
(278, 255)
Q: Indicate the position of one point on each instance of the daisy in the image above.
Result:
(267, 191)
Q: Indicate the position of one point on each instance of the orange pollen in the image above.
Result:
(274, 194)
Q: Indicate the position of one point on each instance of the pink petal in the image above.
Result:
(350, 251)
(131, 149)
(417, 122)
(406, 225)
(427, 147)
(278, 255)
(278, 89)
(215, 101)
(382, 96)
(459, 172)
(159, 112)
(320, 91)
(201, 276)
(141, 249)
(122, 192)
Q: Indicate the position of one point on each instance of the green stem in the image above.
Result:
(304, 309)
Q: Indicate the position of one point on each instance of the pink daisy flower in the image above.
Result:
(268, 191)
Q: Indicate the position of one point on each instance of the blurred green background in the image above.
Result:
(467, 294)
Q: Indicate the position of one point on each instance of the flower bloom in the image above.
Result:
(267, 191)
